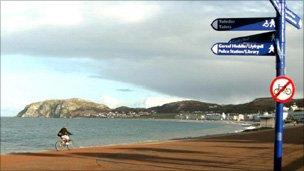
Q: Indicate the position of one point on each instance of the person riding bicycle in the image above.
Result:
(64, 134)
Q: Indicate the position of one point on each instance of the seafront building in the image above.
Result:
(254, 117)
(267, 121)
(296, 113)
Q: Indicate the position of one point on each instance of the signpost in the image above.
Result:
(290, 16)
(272, 43)
(249, 49)
(276, 5)
(243, 24)
(257, 38)
(280, 71)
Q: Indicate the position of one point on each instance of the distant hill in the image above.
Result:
(188, 105)
(257, 105)
(126, 109)
(70, 108)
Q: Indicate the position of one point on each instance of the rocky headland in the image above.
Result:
(68, 108)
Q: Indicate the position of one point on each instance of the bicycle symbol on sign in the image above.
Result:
(287, 91)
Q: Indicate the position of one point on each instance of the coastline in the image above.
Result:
(145, 142)
(153, 128)
(237, 151)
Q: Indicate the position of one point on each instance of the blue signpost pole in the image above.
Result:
(280, 70)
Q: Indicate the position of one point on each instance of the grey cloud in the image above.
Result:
(179, 30)
(170, 52)
(199, 79)
(124, 90)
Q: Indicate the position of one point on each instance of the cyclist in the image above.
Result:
(64, 134)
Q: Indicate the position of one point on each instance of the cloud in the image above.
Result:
(129, 12)
(213, 80)
(162, 46)
(124, 90)
(158, 101)
(111, 101)
(168, 30)
(24, 16)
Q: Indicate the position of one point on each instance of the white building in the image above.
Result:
(214, 116)
(241, 117)
(224, 117)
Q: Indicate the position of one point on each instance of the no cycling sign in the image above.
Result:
(282, 89)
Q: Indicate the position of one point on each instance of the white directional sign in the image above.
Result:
(290, 16)
(282, 89)
(293, 19)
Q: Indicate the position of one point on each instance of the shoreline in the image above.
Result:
(238, 151)
(164, 140)
(130, 143)
(96, 146)
(50, 146)
(152, 141)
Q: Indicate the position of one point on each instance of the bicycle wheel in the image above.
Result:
(59, 146)
(276, 91)
(69, 145)
(287, 91)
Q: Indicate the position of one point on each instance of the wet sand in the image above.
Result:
(242, 151)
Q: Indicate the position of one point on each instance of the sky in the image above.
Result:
(134, 53)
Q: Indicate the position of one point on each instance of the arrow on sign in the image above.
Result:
(293, 18)
(256, 38)
(247, 49)
(242, 24)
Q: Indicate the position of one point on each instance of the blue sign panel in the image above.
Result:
(276, 5)
(243, 24)
(257, 38)
(293, 19)
(290, 16)
(248, 49)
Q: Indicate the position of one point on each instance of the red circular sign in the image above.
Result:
(282, 89)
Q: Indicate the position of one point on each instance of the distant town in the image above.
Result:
(260, 111)
(291, 114)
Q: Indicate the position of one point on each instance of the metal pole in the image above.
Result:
(280, 70)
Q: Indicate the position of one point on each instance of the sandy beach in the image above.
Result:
(241, 151)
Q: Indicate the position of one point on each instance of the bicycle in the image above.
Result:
(61, 144)
(287, 91)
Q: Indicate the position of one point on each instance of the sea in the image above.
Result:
(40, 134)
